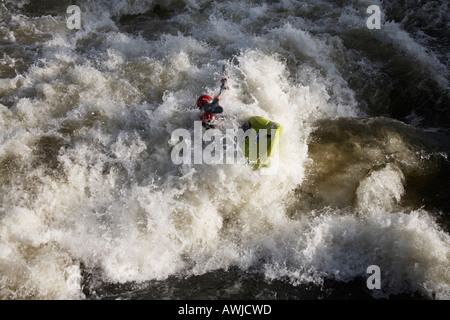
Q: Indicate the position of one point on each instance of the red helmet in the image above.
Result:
(202, 100)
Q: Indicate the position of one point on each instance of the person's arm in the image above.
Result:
(214, 106)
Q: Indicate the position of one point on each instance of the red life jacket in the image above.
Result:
(207, 117)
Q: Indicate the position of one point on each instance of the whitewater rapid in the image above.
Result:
(88, 186)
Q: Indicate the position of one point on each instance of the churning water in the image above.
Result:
(92, 207)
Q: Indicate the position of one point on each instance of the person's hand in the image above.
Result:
(218, 98)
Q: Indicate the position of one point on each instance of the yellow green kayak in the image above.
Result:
(262, 143)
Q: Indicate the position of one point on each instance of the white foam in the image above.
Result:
(381, 190)
(117, 204)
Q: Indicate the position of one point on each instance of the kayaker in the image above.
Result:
(210, 107)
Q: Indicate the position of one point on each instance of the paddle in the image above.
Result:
(214, 107)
